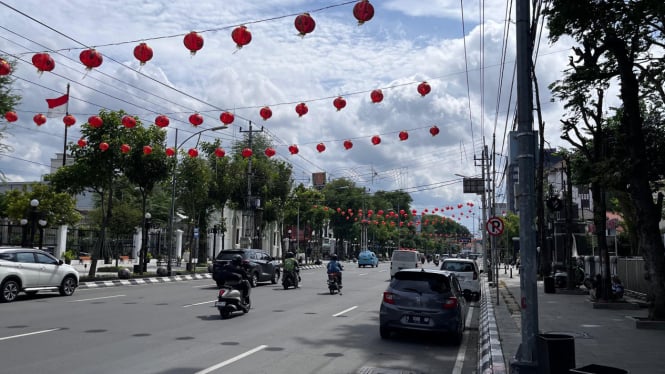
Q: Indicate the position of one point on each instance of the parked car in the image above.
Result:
(260, 266)
(367, 258)
(404, 259)
(32, 270)
(424, 300)
(467, 273)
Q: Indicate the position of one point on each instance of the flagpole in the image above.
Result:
(64, 150)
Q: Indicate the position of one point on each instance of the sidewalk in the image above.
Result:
(607, 337)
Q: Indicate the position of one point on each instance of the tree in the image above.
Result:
(621, 42)
(59, 208)
(8, 101)
(98, 169)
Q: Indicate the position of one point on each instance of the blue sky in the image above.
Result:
(405, 43)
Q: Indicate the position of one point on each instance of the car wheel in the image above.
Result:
(10, 290)
(254, 279)
(384, 332)
(68, 286)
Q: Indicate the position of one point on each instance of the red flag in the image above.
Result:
(57, 106)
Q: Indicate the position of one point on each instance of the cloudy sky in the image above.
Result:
(457, 50)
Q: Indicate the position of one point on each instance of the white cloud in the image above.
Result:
(407, 42)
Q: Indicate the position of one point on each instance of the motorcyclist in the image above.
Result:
(291, 267)
(617, 288)
(235, 275)
(335, 266)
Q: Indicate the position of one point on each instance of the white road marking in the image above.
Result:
(344, 311)
(205, 285)
(201, 303)
(28, 334)
(459, 361)
(362, 274)
(231, 360)
(96, 298)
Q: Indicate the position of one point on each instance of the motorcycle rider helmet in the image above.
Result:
(237, 260)
(333, 257)
(289, 255)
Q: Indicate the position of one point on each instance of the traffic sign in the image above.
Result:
(494, 226)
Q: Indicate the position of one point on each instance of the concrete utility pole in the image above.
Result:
(526, 360)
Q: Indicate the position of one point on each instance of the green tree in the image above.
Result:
(58, 208)
(8, 101)
(622, 41)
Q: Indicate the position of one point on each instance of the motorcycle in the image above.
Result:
(561, 277)
(333, 284)
(290, 279)
(231, 300)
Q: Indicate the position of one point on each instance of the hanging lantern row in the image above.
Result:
(363, 11)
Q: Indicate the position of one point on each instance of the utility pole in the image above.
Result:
(483, 201)
(526, 360)
(252, 203)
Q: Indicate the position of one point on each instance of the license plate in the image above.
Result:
(417, 319)
(220, 303)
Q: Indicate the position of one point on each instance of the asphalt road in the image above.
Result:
(174, 328)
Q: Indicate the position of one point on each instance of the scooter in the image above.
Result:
(333, 286)
(290, 279)
(230, 300)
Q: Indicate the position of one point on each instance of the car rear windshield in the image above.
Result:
(457, 266)
(228, 255)
(420, 282)
(404, 256)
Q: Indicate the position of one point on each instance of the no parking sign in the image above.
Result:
(494, 226)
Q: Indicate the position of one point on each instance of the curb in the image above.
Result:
(139, 281)
(489, 345)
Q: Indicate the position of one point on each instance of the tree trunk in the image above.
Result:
(599, 220)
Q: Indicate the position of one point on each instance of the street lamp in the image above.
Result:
(33, 217)
(173, 184)
(143, 263)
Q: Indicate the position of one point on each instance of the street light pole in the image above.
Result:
(173, 184)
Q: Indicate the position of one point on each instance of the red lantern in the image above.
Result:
(265, 113)
(363, 11)
(320, 147)
(193, 153)
(125, 148)
(424, 88)
(11, 116)
(103, 146)
(69, 120)
(376, 139)
(43, 62)
(434, 130)
(270, 152)
(339, 103)
(147, 150)
(241, 36)
(304, 24)
(129, 122)
(376, 96)
(170, 152)
(91, 58)
(348, 144)
(219, 152)
(196, 119)
(5, 68)
(82, 142)
(226, 118)
(194, 42)
(247, 152)
(39, 119)
(301, 109)
(293, 149)
(403, 135)
(95, 122)
(162, 121)
(143, 53)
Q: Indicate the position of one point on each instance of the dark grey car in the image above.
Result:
(260, 266)
(423, 300)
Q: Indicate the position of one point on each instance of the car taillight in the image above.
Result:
(475, 275)
(388, 298)
(450, 303)
(221, 292)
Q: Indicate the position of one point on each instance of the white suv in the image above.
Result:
(467, 274)
(31, 270)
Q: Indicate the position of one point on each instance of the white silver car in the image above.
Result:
(467, 273)
(32, 270)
